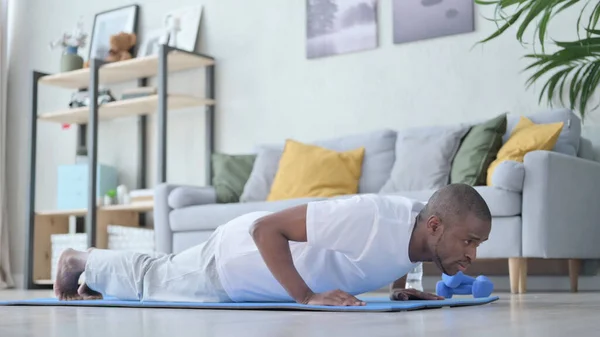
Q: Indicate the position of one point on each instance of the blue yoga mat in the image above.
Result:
(373, 304)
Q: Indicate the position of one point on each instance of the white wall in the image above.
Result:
(266, 88)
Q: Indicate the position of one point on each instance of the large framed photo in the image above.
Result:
(111, 22)
(416, 20)
(336, 27)
(186, 22)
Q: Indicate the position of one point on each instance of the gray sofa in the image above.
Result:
(546, 208)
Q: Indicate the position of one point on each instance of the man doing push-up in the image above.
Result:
(320, 253)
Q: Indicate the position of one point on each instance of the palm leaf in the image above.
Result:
(573, 70)
(576, 62)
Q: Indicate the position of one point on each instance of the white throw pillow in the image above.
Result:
(424, 158)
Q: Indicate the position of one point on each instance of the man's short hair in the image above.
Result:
(456, 201)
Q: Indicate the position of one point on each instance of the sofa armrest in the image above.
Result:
(561, 206)
(186, 196)
(171, 196)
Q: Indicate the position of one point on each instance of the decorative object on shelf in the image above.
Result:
(122, 193)
(109, 23)
(81, 155)
(150, 44)
(427, 19)
(60, 242)
(71, 42)
(138, 92)
(568, 74)
(183, 25)
(82, 98)
(109, 197)
(120, 45)
(140, 240)
(340, 26)
(72, 186)
(142, 195)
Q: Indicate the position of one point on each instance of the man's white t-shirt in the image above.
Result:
(355, 244)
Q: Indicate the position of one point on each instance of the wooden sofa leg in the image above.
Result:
(514, 272)
(574, 269)
(522, 276)
(517, 271)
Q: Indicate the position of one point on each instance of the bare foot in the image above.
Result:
(88, 294)
(71, 265)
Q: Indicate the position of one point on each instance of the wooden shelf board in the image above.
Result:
(47, 282)
(132, 69)
(124, 108)
(133, 207)
(62, 212)
(44, 282)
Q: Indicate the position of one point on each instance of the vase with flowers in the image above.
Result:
(71, 42)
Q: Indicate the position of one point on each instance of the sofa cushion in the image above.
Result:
(568, 141)
(509, 175)
(185, 196)
(424, 158)
(313, 171)
(501, 202)
(208, 217)
(377, 162)
(263, 173)
(230, 174)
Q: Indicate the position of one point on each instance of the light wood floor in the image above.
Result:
(531, 315)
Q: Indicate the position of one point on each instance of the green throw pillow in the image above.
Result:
(477, 150)
(230, 174)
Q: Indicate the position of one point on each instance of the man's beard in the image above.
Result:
(436, 256)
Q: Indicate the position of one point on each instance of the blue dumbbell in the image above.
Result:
(479, 287)
(457, 279)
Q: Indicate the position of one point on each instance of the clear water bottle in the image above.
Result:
(414, 279)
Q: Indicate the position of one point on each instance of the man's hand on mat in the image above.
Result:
(412, 294)
(334, 298)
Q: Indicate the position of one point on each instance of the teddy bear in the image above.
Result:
(120, 44)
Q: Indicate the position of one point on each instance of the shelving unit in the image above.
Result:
(41, 224)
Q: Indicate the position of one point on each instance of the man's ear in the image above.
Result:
(434, 225)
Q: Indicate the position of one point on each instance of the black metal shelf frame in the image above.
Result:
(90, 131)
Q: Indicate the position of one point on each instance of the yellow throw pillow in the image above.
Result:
(526, 137)
(313, 171)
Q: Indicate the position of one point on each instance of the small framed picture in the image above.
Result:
(150, 44)
(111, 22)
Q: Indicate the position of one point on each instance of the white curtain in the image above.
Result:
(6, 280)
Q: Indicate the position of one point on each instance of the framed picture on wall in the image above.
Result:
(335, 27)
(428, 19)
(114, 21)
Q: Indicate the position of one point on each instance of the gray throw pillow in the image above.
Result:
(263, 173)
(424, 158)
(569, 138)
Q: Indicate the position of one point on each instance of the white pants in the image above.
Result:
(189, 276)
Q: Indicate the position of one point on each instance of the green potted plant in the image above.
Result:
(109, 197)
(71, 42)
(571, 72)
